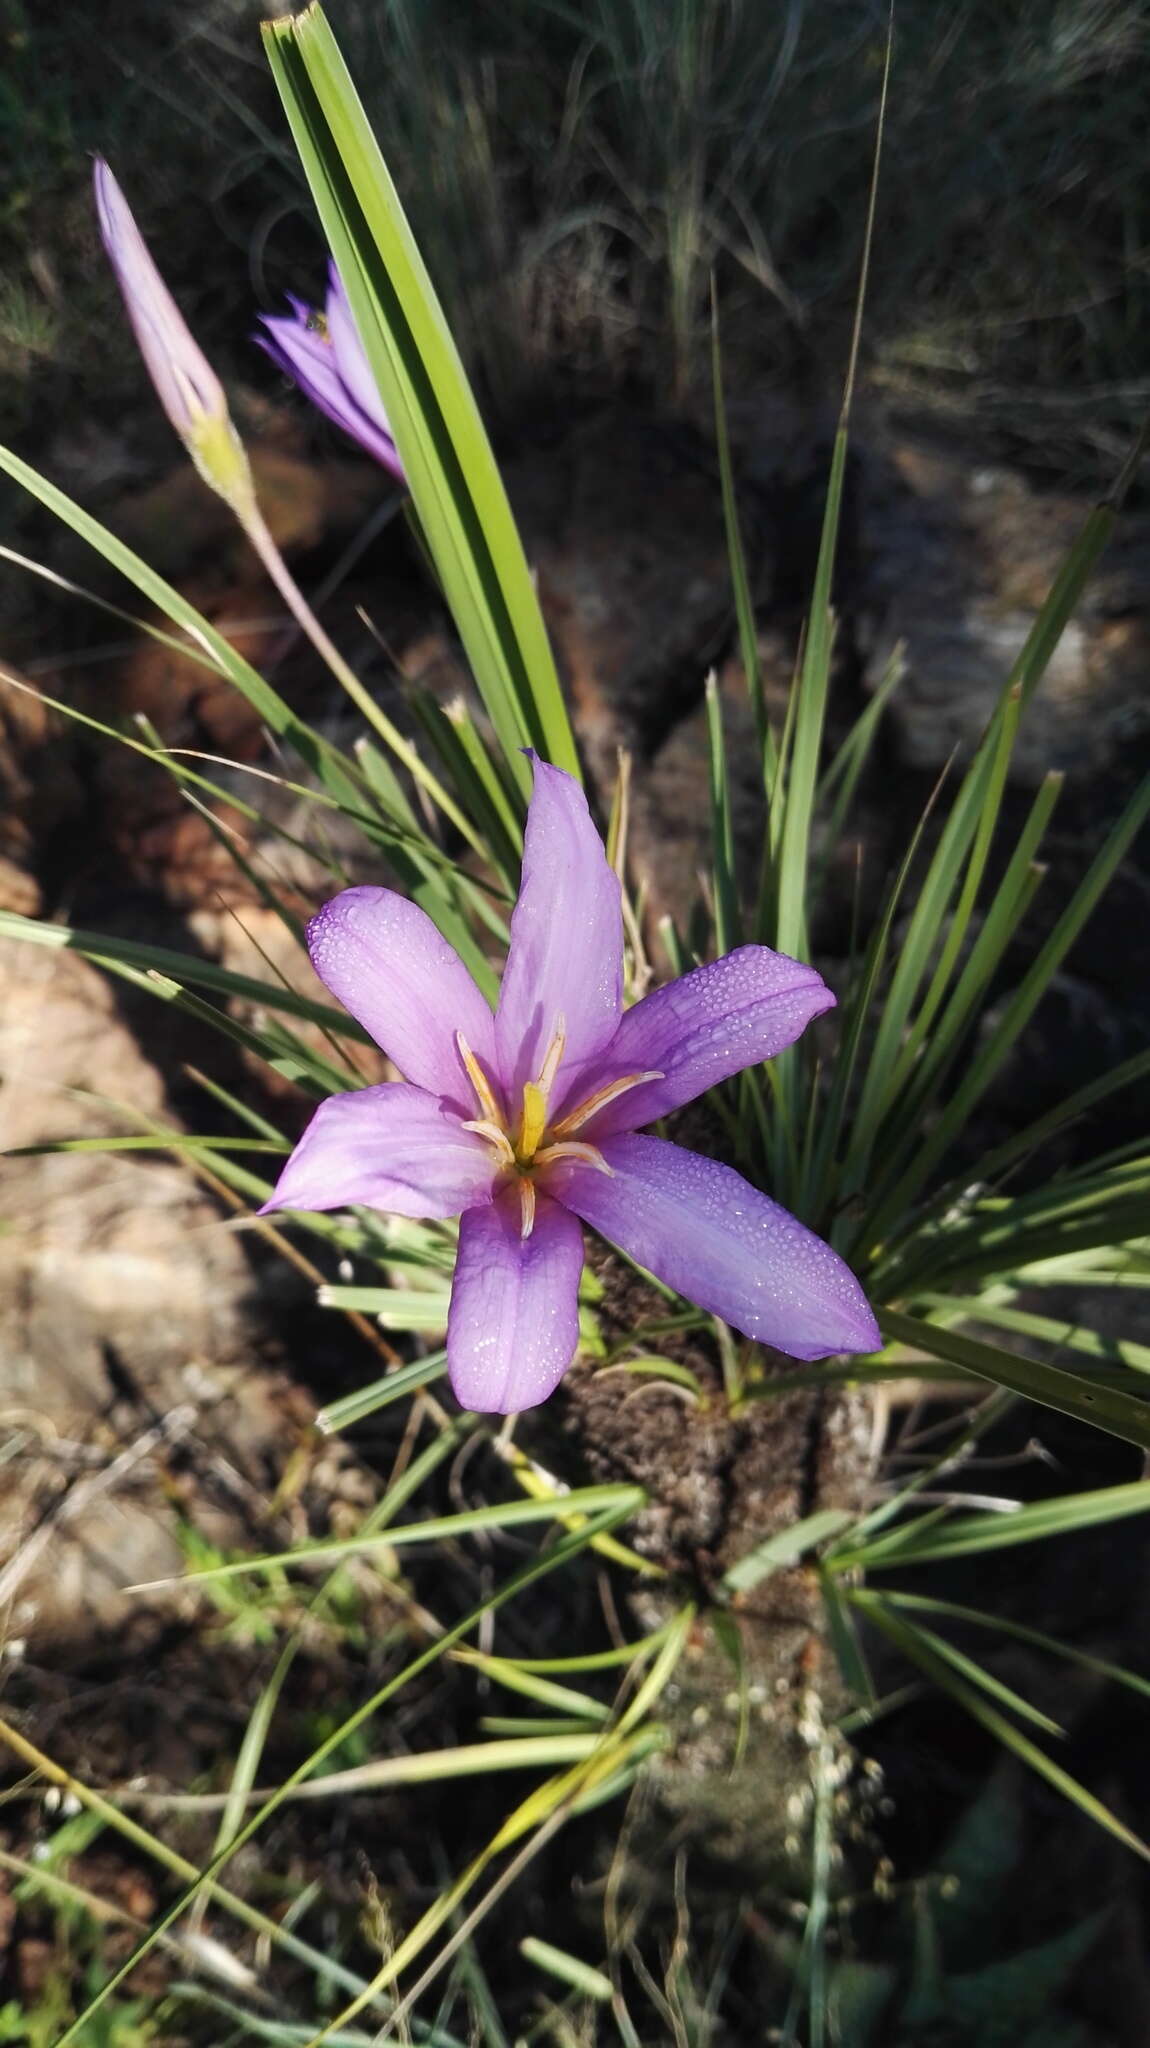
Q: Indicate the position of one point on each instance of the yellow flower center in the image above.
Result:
(525, 1141)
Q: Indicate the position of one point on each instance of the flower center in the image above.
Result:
(525, 1141)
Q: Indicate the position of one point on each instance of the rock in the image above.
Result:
(39, 791)
(623, 525)
(670, 841)
(957, 558)
(179, 523)
(129, 1375)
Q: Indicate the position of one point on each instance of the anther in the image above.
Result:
(527, 1206)
(547, 1072)
(484, 1093)
(576, 1118)
(571, 1148)
(495, 1135)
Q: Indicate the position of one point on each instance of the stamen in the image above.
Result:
(494, 1136)
(484, 1093)
(555, 1051)
(571, 1148)
(576, 1118)
(527, 1206)
(532, 1122)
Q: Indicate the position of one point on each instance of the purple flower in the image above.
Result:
(186, 385)
(525, 1120)
(324, 355)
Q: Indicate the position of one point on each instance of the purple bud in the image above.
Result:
(187, 386)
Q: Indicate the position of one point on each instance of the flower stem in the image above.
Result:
(259, 533)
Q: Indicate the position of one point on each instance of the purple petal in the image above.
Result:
(714, 1238)
(310, 361)
(393, 1147)
(698, 1030)
(351, 359)
(186, 384)
(565, 964)
(389, 966)
(299, 349)
(514, 1320)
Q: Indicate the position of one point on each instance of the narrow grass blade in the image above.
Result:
(1095, 1248)
(852, 1663)
(810, 715)
(401, 1308)
(784, 1548)
(728, 922)
(157, 1850)
(919, 1649)
(838, 786)
(736, 555)
(385, 1774)
(1061, 1335)
(943, 1652)
(1084, 1099)
(1018, 1632)
(1118, 1413)
(818, 1168)
(588, 1501)
(570, 1970)
(564, 1549)
(599, 1660)
(923, 1541)
(941, 1038)
(394, 1386)
(334, 771)
(180, 967)
(1021, 1008)
(472, 773)
(562, 1699)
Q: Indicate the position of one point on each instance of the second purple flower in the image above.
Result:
(323, 354)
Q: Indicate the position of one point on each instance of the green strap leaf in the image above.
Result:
(458, 495)
(1072, 1393)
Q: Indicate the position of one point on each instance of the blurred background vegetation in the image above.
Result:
(575, 172)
